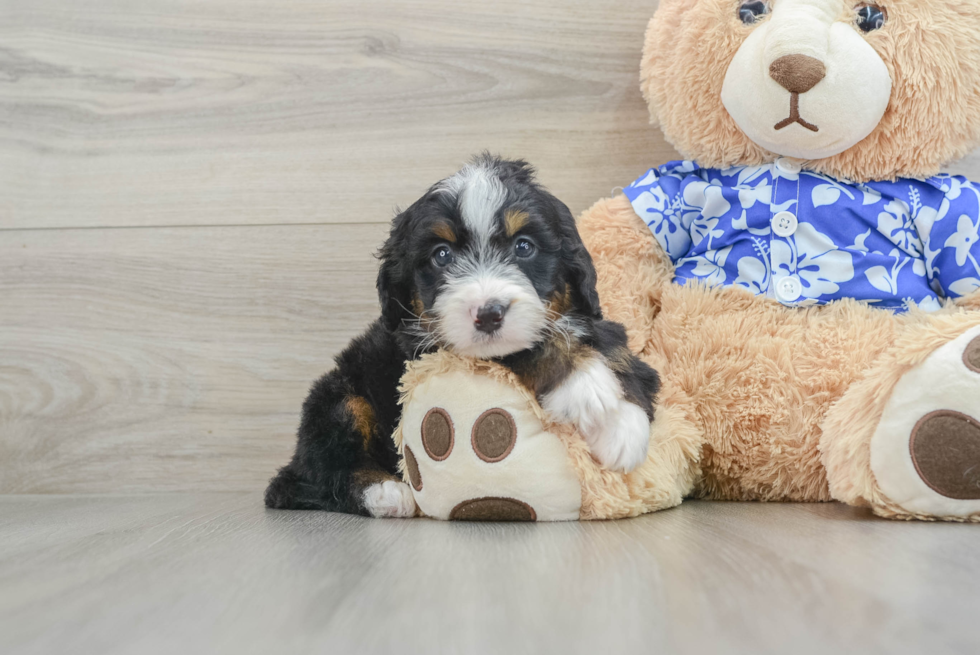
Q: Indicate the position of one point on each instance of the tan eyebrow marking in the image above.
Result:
(514, 220)
(444, 231)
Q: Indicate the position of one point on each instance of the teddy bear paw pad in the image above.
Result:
(945, 448)
(971, 357)
(509, 469)
(492, 509)
(925, 452)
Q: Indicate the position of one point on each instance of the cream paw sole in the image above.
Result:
(925, 452)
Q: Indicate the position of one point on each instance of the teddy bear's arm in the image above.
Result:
(632, 266)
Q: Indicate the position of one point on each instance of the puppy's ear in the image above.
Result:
(578, 263)
(393, 291)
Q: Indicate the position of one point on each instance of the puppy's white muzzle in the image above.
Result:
(466, 314)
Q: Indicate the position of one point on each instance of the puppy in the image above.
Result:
(489, 265)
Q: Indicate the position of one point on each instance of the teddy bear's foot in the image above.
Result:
(925, 452)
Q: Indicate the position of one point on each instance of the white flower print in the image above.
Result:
(965, 287)
(704, 228)
(711, 266)
(664, 219)
(953, 186)
(858, 244)
(871, 196)
(747, 174)
(753, 274)
(748, 196)
(828, 194)
(926, 217)
(811, 255)
(895, 222)
(884, 279)
(706, 199)
(966, 236)
(742, 223)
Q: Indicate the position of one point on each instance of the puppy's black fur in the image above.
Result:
(344, 442)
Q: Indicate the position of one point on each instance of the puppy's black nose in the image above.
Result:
(490, 317)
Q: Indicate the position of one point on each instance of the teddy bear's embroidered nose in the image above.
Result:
(797, 73)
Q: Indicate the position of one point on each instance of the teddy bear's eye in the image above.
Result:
(871, 17)
(752, 11)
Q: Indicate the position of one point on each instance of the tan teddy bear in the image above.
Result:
(807, 284)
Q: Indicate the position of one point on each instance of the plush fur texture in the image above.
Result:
(929, 46)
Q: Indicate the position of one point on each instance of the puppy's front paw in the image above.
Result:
(621, 441)
(586, 397)
(389, 499)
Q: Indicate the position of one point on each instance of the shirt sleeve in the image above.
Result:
(950, 239)
(656, 198)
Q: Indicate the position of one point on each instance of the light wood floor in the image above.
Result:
(217, 573)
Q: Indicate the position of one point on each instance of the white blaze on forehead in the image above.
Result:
(480, 195)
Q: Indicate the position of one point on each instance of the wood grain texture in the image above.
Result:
(203, 112)
(164, 359)
(183, 573)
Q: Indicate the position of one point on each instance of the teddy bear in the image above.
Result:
(806, 281)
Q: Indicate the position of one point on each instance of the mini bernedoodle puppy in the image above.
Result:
(490, 265)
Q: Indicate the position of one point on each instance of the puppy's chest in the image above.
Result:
(543, 368)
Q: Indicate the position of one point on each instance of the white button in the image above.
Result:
(784, 224)
(789, 289)
(788, 166)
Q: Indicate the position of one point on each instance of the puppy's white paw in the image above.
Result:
(389, 499)
(621, 442)
(586, 397)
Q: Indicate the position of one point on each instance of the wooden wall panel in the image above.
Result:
(204, 112)
(166, 359)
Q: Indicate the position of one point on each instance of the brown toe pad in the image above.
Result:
(972, 355)
(945, 449)
(493, 509)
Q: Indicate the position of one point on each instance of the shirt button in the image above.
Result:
(784, 224)
(788, 166)
(789, 289)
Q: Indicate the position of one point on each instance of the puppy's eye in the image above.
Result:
(752, 11)
(871, 17)
(443, 256)
(523, 248)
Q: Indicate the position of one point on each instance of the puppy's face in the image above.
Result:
(485, 264)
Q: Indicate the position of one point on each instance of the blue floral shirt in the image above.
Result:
(807, 239)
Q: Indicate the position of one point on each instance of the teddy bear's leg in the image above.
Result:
(631, 266)
(905, 440)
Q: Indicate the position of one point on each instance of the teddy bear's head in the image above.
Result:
(862, 90)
